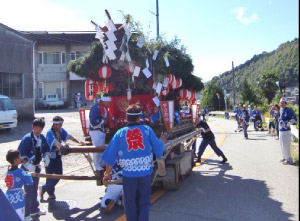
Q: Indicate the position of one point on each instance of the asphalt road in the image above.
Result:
(253, 185)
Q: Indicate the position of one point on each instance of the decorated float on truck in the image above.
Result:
(155, 74)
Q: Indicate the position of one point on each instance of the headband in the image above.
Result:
(105, 98)
(134, 113)
(57, 122)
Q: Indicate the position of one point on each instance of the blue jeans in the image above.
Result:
(55, 167)
(137, 193)
(31, 202)
(212, 144)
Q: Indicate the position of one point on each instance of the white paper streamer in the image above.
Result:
(111, 45)
(147, 73)
(140, 42)
(136, 71)
(167, 61)
(155, 55)
(156, 101)
(110, 35)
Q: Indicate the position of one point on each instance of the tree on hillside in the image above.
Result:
(268, 85)
(213, 97)
(248, 94)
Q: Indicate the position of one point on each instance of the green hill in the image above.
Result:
(284, 60)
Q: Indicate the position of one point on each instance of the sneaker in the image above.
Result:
(109, 206)
(277, 138)
(27, 218)
(288, 162)
(282, 161)
(224, 160)
(39, 213)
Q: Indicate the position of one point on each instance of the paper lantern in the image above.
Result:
(104, 72)
(171, 78)
(91, 88)
(183, 93)
(174, 84)
(178, 82)
(130, 67)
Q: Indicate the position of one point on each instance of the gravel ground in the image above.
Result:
(72, 163)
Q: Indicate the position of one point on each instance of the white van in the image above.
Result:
(8, 113)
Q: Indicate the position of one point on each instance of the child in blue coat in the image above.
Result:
(15, 179)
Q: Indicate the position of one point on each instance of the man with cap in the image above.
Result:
(134, 147)
(287, 118)
(97, 130)
(55, 136)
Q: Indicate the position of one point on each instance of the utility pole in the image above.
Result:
(233, 84)
(157, 20)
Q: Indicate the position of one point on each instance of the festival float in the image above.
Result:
(132, 69)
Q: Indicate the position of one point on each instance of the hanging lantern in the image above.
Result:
(104, 72)
(91, 88)
(171, 78)
(130, 67)
(174, 84)
(182, 94)
(177, 83)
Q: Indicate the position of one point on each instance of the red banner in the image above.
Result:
(83, 120)
(167, 109)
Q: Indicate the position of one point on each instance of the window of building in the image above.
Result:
(11, 84)
(76, 54)
(52, 57)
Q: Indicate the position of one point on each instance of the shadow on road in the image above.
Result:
(214, 195)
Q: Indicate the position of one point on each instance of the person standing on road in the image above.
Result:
(134, 146)
(208, 137)
(75, 100)
(15, 179)
(238, 114)
(245, 118)
(55, 135)
(256, 117)
(98, 125)
(33, 148)
(287, 118)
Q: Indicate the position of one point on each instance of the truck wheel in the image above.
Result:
(172, 178)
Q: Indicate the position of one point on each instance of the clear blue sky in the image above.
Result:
(214, 32)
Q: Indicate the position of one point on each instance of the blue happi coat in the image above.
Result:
(134, 146)
(15, 179)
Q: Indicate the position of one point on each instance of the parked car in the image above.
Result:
(52, 101)
(8, 113)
